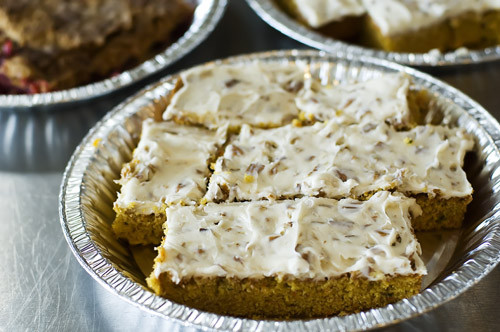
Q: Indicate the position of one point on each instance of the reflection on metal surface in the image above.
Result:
(437, 249)
(274, 16)
(88, 191)
(43, 141)
(206, 17)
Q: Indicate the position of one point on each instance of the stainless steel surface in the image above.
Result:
(458, 259)
(272, 14)
(206, 16)
(45, 289)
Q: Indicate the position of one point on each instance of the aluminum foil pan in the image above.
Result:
(270, 12)
(206, 16)
(456, 260)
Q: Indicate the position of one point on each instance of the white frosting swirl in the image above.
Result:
(305, 238)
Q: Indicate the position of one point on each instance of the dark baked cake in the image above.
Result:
(55, 44)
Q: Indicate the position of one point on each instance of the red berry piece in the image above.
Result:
(7, 48)
(32, 88)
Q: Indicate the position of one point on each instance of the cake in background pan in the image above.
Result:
(55, 44)
(416, 26)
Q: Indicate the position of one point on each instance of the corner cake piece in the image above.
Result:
(258, 94)
(381, 99)
(169, 166)
(329, 160)
(54, 44)
(310, 257)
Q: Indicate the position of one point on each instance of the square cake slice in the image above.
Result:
(329, 160)
(253, 93)
(382, 99)
(169, 166)
(309, 257)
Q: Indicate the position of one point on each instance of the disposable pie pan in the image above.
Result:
(456, 260)
(271, 13)
(206, 16)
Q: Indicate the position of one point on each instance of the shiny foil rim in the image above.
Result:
(275, 17)
(88, 161)
(206, 16)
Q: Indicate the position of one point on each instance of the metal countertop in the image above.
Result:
(43, 288)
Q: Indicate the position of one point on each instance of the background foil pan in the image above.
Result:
(271, 13)
(206, 16)
(458, 259)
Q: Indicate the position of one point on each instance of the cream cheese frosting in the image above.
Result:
(271, 95)
(334, 161)
(376, 100)
(314, 238)
(317, 13)
(399, 16)
(170, 165)
(253, 93)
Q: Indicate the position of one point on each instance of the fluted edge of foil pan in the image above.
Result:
(88, 191)
(269, 11)
(206, 16)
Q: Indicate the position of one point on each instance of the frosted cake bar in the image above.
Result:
(169, 166)
(252, 93)
(379, 99)
(273, 95)
(295, 258)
